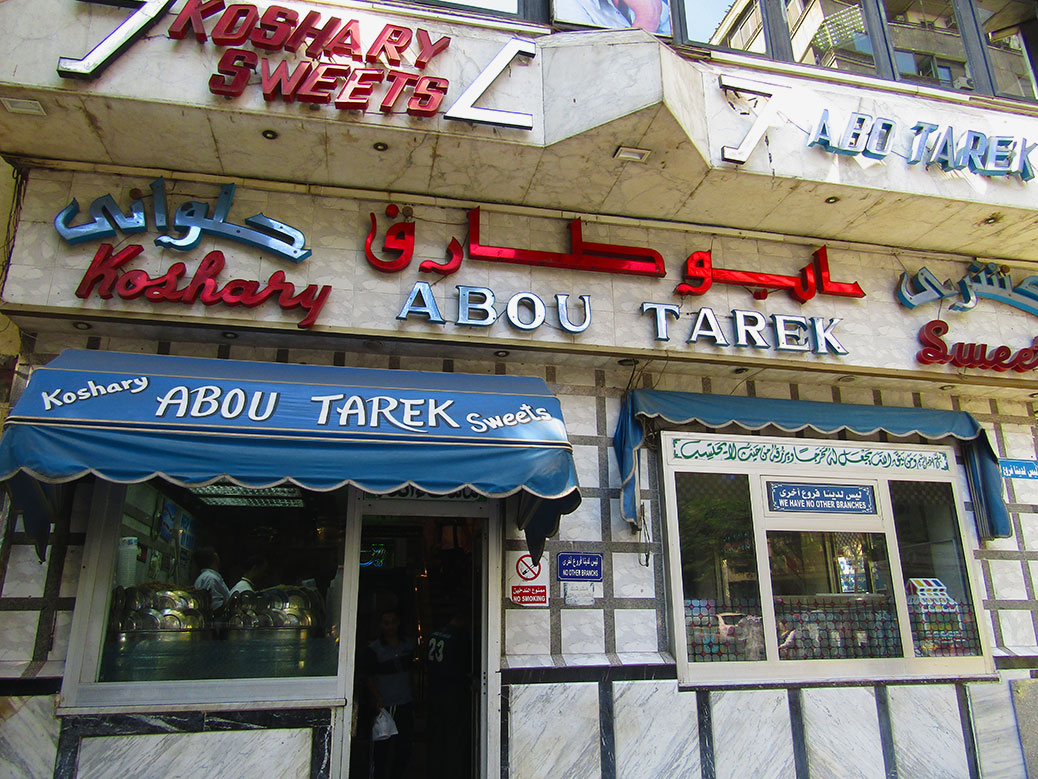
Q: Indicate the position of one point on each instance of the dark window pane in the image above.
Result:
(928, 47)
(832, 34)
(832, 596)
(719, 567)
(224, 582)
(939, 602)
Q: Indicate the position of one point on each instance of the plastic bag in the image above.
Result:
(384, 726)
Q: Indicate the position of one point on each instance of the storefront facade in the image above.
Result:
(689, 391)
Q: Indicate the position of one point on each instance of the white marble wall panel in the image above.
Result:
(1017, 629)
(635, 630)
(752, 735)
(527, 632)
(553, 731)
(927, 730)
(632, 578)
(995, 727)
(841, 728)
(1007, 576)
(28, 737)
(18, 629)
(656, 731)
(277, 752)
(26, 575)
(583, 631)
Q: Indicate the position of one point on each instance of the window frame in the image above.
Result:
(772, 669)
(779, 48)
(81, 692)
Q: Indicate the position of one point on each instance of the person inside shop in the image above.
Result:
(449, 669)
(210, 579)
(388, 660)
(787, 636)
(255, 571)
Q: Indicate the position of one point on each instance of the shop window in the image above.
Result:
(220, 582)
(808, 560)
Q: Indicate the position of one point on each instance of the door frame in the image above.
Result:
(491, 510)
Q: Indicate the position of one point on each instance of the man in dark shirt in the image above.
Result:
(449, 667)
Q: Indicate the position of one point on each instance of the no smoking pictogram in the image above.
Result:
(527, 570)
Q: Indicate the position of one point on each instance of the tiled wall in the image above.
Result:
(624, 726)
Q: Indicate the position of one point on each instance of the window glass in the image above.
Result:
(225, 582)
(832, 596)
(650, 15)
(939, 603)
(1007, 24)
(719, 568)
(928, 47)
(832, 34)
(735, 25)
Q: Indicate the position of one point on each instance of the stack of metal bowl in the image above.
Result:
(158, 608)
(275, 607)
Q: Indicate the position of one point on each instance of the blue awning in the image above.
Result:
(132, 417)
(681, 408)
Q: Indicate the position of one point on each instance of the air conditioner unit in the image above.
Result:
(962, 82)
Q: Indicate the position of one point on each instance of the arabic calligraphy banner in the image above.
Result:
(821, 498)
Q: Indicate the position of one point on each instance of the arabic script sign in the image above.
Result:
(1019, 469)
(821, 498)
(108, 276)
(982, 280)
(698, 449)
(573, 567)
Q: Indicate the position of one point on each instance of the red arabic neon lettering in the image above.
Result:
(583, 255)
(813, 279)
(106, 277)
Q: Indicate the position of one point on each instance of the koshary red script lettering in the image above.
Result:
(105, 275)
(309, 81)
(972, 355)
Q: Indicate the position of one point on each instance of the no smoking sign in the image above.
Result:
(527, 581)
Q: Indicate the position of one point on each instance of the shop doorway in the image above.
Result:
(420, 646)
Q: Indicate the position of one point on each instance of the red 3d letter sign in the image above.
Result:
(377, 72)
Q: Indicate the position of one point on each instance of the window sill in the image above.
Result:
(874, 681)
(142, 708)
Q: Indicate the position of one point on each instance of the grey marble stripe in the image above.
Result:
(886, 732)
(607, 734)
(968, 737)
(796, 725)
(706, 735)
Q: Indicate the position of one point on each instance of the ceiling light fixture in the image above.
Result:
(832, 199)
(501, 353)
(270, 135)
(993, 219)
(627, 362)
(740, 371)
(845, 379)
(946, 387)
(631, 154)
(82, 325)
(380, 146)
(229, 335)
(21, 105)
